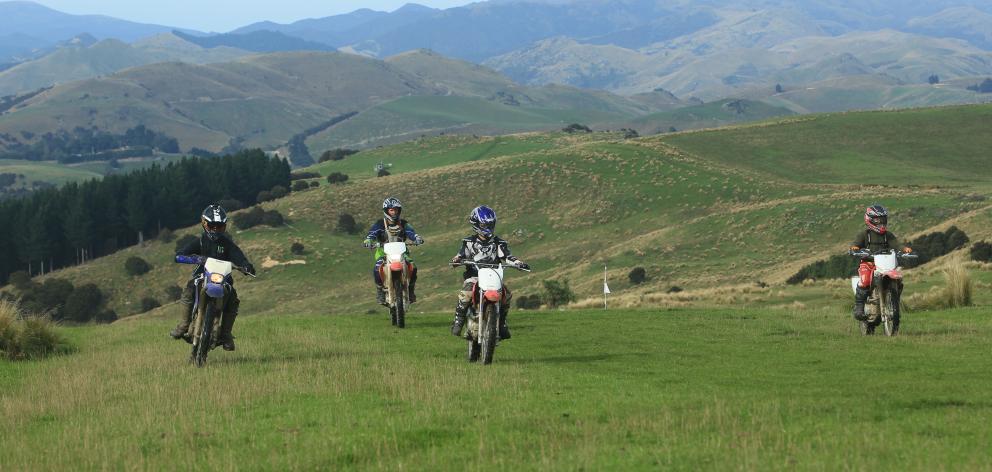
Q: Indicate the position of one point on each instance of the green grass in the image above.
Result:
(709, 115)
(938, 146)
(593, 390)
(49, 172)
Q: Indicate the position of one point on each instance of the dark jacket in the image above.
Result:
(874, 242)
(403, 232)
(490, 251)
(224, 249)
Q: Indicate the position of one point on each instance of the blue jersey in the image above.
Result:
(384, 233)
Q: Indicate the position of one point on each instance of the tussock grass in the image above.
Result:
(956, 292)
(27, 337)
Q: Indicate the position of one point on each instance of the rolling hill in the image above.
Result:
(712, 212)
(266, 100)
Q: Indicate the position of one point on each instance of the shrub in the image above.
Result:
(272, 218)
(529, 302)
(300, 186)
(674, 289)
(230, 204)
(279, 191)
(576, 127)
(303, 175)
(20, 280)
(148, 304)
(297, 248)
(166, 235)
(264, 196)
(83, 304)
(105, 316)
(637, 276)
(185, 241)
(27, 337)
(557, 293)
(336, 177)
(47, 298)
(382, 172)
(981, 251)
(346, 224)
(336, 154)
(314, 184)
(135, 266)
(173, 292)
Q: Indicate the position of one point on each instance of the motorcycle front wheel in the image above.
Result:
(205, 341)
(399, 303)
(487, 332)
(889, 313)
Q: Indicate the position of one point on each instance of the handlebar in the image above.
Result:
(199, 260)
(869, 254)
(484, 265)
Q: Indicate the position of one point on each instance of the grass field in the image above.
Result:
(579, 390)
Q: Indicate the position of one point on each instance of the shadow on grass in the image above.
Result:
(563, 359)
(279, 358)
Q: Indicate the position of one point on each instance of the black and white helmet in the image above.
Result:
(389, 203)
(214, 221)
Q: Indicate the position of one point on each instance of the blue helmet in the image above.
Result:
(483, 220)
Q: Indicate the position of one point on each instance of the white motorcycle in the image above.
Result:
(881, 305)
(483, 313)
(395, 273)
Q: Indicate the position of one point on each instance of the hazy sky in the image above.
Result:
(225, 15)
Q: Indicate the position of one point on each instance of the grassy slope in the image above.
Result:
(684, 389)
(709, 115)
(50, 172)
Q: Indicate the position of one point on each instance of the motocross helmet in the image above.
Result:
(387, 204)
(876, 218)
(483, 221)
(214, 221)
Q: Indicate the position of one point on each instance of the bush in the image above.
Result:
(135, 266)
(27, 337)
(382, 172)
(575, 128)
(257, 216)
(303, 175)
(346, 224)
(83, 304)
(297, 248)
(166, 235)
(557, 293)
(173, 292)
(336, 177)
(105, 316)
(279, 191)
(529, 302)
(20, 280)
(264, 196)
(185, 241)
(272, 218)
(336, 154)
(674, 289)
(149, 304)
(47, 298)
(314, 184)
(300, 186)
(637, 276)
(230, 204)
(981, 252)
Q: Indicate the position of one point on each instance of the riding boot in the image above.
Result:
(897, 310)
(504, 331)
(185, 318)
(380, 295)
(226, 325)
(459, 322)
(860, 298)
(412, 285)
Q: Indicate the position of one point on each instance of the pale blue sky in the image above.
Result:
(225, 15)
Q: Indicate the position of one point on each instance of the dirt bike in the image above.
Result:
(881, 305)
(395, 273)
(482, 331)
(213, 288)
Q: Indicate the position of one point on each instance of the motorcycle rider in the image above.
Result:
(487, 248)
(875, 238)
(213, 242)
(391, 229)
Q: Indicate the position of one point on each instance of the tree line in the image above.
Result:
(90, 144)
(58, 227)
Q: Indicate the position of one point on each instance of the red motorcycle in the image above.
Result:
(886, 277)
